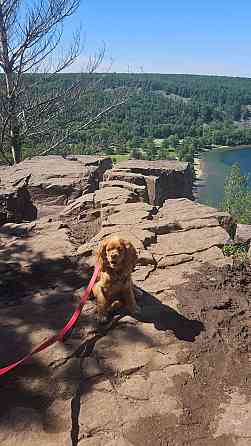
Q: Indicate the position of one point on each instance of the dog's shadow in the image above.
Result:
(165, 318)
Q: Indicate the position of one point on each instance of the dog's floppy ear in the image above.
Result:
(101, 255)
(131, 255)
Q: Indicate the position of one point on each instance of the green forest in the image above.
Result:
(164, 116)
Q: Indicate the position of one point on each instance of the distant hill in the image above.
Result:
(161, 105)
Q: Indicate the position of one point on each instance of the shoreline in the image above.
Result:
(199, 165)
(198, 168)
(213, 148)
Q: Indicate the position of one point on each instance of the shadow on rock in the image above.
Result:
(166, 318)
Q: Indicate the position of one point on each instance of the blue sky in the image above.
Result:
(169, 36)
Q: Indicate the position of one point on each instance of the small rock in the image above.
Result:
(243, 234)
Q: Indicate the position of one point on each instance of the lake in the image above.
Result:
(216, 165)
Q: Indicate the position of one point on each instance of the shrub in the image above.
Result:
(237, 196)
(234, 249)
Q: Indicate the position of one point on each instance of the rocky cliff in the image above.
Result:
(158, 379)
(55, 180)
(160, 179)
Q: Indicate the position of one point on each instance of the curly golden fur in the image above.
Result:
(114, 289)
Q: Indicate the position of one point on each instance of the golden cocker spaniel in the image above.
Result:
(114, 288)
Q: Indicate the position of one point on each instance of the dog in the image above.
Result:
(114, 288)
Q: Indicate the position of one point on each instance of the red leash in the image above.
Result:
(60, 335)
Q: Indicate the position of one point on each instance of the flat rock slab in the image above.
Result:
(56, 179)
(188, 215)
(11, 230)
(35, 257)
(213, 255)
(43, 241)
(174, 270)
(139, 237)
(197, 223)
(130, 214)
(151, 167)
(124, 175)
(189, 242)
(243, 233)
(182, 209)
(164, 261)
(161, 280)
(163, 179)
(106, 440)
(182, 214)
(77, 206)
(138, 190)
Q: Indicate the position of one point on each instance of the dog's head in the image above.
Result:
(117, 254)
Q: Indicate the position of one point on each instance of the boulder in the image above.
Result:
(16, 204)
(243, 234)
(54, 180)
(163, 179)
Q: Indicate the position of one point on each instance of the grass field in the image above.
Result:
(122, 157)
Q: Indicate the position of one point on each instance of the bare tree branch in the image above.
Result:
(28, 35)
(38, 106)
(84, 126)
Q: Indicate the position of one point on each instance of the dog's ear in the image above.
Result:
(131, 256)
(101, 255)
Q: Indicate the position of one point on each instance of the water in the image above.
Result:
(216, 166)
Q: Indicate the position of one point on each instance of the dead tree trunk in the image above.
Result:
(15, 143)
(11, 118)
